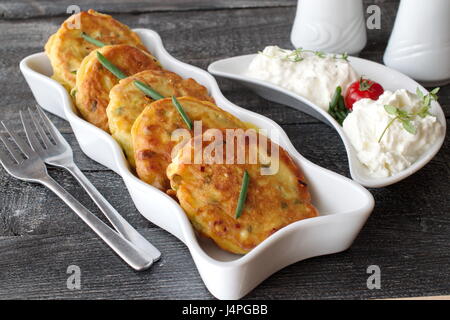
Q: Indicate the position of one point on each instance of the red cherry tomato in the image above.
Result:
(363, 88)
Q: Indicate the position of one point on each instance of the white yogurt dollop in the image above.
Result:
(314, 78)
(398, 148)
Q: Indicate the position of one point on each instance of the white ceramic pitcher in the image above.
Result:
(329, 25)
(420, 41)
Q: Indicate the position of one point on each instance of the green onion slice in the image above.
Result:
(95, 42)
(336, 96)
(147, 90)
(182, 113)
(243, 194)
(111, 67)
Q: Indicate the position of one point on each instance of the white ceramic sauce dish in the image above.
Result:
(344, 205)
(235, 68)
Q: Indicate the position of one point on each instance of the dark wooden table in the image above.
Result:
(408, 234)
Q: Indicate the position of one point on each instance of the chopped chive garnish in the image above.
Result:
(111, 67)
(243, 194)
(337, 107)
(147, 90)
(88, 38)
(182, 113)
(335, 99)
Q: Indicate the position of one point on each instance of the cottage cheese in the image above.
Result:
(398, 148)
(314, 77)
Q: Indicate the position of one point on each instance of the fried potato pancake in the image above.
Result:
(126, 101)
(152, 134)
(209, 195)
(94, 81)
(66, 48)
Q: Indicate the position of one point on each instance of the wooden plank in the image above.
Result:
(34, 266)
(408, 234)
(11, 9)
(422, 298)
(251, 30)
(317, 142)
(25, 206)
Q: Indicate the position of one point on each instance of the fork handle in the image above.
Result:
(119, 223)
(125, 249)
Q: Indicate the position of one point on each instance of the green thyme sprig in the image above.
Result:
(320, 54)
(242, 194)
(401, 116)
(297, 54)
(337, 107)
(343, 56)
(405, 118)
(427, 99)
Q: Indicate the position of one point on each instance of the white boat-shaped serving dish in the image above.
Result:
(235, 68)
(343, 204)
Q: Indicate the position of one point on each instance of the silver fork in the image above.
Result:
(59, 153)
(33, 169)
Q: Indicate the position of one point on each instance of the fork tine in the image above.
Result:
(23, 146)
(9, 145)
(57, 136)
(40, 130)
(28, 125)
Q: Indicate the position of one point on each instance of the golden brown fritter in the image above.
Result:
(152, 132)
(209, 194)
(126, 101)
(94, 81)
(66, 48)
